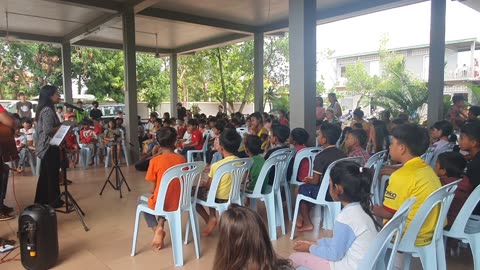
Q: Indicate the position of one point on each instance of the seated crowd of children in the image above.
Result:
(355, 227)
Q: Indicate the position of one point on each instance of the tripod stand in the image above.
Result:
(66, 194)
(118, 172)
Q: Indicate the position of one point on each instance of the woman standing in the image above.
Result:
(48, 189)
(332, 97)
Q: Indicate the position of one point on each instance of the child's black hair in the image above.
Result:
(382, 138)
(212, 119)
(331, 132)
(114, 123)
(281, 132)
(358, 112)
(193, 122)
(26, 120)
(220, 125)
(361, 136)
(414, 137)
(472, 131)
(258, 116)
(356, 182)
(475, 110)
(202, 121)
(398, 121)
(453, 162)
(168, 121)
(230, 140)
(166, 137)
(158, 120)
(457, 98)
(254, 144)
(300, 136)
(444, 126)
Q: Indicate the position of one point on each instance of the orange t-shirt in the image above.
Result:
(156, 169)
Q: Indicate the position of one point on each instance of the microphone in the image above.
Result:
(68, 105)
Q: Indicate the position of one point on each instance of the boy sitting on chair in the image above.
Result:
(229, 142)
(166, 137)
(414, 179)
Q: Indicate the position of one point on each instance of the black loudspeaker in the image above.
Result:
(37, 231)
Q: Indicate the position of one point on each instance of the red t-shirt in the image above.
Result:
(304, 168)
(2, 110)
(197, 137)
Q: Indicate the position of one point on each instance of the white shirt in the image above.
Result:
(28, 134)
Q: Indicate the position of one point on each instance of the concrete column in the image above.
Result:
(173, 85)
(67, 72)
(436, 82)
(472, 61)
(302, 27)
(128, 19)
(258, 71)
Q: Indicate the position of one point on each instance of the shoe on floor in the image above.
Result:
(4, 216)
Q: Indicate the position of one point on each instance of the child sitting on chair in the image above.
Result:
(327, 137)
(88, 139)
(166, 137)
(229, 142)
(21, 142)
(28, 131)
(354, 229)
(355, 144)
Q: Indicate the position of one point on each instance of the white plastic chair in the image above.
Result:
(187, 173)
(467, 228)
(237, 168)
(428, 155)
(242, 131)
(309, 154)
(376, 163)
(202, 151)
(330, 209)
(84, 152)
(273, 196)
(446, 148)
(432, 255)
(290, 152)
(375, 257)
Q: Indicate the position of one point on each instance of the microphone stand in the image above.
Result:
(73, 206)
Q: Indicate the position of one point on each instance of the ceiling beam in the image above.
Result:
(31, 37)
(100, 5)
(210, 42)
(115, 46)
(105, 21)
(194, 19)
(344, 12)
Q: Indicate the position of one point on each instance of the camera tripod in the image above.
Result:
(70, 203)
(119, 177)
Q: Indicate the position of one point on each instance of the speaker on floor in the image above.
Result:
(37, 231)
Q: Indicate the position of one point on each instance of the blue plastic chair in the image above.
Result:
(84, 152)
(376, 163)
(309, 154)
(432, 255)
(272, 197)
(467, 228)
(330, 209)
(446, 148)
(202, 151)
(283, 178)
(375, 257)
(187, 173)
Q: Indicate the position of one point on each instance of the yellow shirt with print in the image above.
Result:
(415, 179)
(223, 191)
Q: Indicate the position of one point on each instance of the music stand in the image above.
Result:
(118, 172)
(57, 141)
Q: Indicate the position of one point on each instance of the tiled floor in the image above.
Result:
(107, 245)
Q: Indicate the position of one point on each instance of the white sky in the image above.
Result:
(405, 26)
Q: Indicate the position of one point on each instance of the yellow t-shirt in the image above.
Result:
(416, 178)
(223, 191)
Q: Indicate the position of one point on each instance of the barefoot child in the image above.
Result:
(166, 137)
(327, 137)
(229, 142)
(354, 227)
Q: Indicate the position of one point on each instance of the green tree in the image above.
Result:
(360, 82)
(153, 81)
